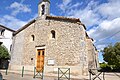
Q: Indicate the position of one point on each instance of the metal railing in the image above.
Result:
(65, 73)
(38, 72)
(94, 76)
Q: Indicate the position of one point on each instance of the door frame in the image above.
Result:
(38, 48)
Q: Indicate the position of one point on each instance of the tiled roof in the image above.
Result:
(44, 1)
(3, 27)
(58, 18)
(61, 18)
(88, 37)
(19, 30)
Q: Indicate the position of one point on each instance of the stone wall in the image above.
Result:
(17, 49)
(29, 46)
(67, 49)
(92, 55)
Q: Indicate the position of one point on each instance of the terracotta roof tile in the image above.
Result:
(61, 18)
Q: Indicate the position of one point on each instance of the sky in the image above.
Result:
(101, 17)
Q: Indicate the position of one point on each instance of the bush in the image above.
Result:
(116, 69)
(105, 67)
(4, 57)
(111, 55)
(109, 68)
(4, 54)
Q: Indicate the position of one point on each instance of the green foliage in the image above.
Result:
(111, 55)
(105, 67)
(102, 65)
(4, 54)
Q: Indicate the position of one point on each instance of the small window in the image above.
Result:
(33, 37)
(1, 43)
(11, 47)
(53, 33)
(38, 53)
(43, 53)
(2, 32)
(43, 9)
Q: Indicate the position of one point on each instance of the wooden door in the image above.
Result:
(40, 60)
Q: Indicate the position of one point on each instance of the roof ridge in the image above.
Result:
(74, 20)
(69, 19)
(44, 1)
(64, 17)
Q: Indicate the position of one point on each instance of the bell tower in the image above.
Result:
(43, 8)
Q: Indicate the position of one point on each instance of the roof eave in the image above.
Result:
(7, 28)
(24, 27)
(61, 18)
(44, 1)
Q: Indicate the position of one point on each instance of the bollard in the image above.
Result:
(42, 75)
(6, 72)
(22, 71)
(1, 77)
(34, 72)
(69, 73)
(58, 73)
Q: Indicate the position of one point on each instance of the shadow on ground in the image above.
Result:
(117, 75)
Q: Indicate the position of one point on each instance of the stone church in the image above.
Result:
(52, 42)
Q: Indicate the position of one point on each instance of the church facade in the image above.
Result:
(52, 42)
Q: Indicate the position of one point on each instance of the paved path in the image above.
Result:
(13, 76)
(112, 76)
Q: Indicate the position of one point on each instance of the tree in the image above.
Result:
(111, 55)
(105, 67)
(4, 54)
